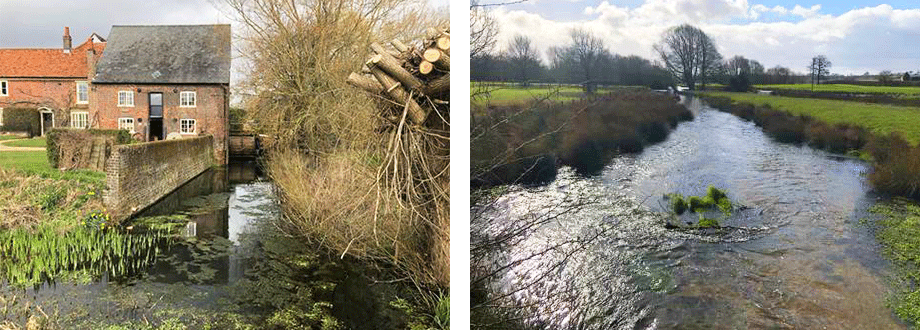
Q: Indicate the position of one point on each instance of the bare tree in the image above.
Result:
(738, 65)
(820, 67)
(779, 75)
(483, 30)
(525, 59)
(689, 54)
(586, 51)
(885, 76)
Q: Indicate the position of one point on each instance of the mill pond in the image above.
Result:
(214, 253)
(798, 251)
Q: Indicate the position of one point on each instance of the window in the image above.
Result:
(126, 124)
(4, 88)
(79, 119)
(187, 99)
(82, 92)
(187, 126)
(125, 98)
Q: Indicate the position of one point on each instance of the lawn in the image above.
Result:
(844, 88)
(878, 118)
(35, 163)
(9, 137)
(38, 142)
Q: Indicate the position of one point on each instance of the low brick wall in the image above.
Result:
(138, 175)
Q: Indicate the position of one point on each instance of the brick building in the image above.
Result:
(165, 82)
(51, 85)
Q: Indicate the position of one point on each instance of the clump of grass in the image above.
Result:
(714, 198)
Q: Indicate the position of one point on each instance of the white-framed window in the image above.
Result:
(4, 88)
(126, 124)
(125, 98)
(79, 119)
(187, 99)
(82, 92)
(187, 126)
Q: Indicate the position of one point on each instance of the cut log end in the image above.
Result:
(432, 55)
(444, 43)
(425, 67)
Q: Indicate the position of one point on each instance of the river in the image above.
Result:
(794, 255)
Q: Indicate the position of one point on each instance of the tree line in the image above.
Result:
(685, 55)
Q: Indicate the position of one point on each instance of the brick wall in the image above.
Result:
(59, 95)
(138, 175)
(210, 112)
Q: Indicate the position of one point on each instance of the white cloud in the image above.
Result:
(866, 39)
(806, 13)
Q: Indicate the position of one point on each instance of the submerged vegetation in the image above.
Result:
(715, 198)
(525, 143)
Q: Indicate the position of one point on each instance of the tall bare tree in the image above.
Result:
(586, 51)
(689, 54)
(525, 60)
(820, 67)
(779, 75)
(483, 30)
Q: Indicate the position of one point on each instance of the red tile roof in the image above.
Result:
(47, 63)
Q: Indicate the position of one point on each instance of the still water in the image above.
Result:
(794, 255)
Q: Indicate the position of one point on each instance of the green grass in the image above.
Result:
(878, 118)
(9, 137)
(844, 88)
(899, 234)
(509, 94)
(38, 142)
(36, 163)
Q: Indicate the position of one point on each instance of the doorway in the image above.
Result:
(47, 120)
(156, 117)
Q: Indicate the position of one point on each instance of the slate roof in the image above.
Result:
(166, 54)
(47, 62)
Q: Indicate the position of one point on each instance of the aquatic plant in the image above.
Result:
(899, 234)
(708, 223)
(678, 204)
(44, 255)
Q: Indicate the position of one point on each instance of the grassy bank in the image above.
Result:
(524, 143)
(844, 88)
(899, 234)
(878, 119)
(885, 135)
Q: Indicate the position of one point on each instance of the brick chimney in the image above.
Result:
(90, 63)
(67, 40)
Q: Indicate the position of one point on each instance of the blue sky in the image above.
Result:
(857, 36)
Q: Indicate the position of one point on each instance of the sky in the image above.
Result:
(857, 36)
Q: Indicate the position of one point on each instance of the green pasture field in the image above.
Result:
(492, 93)
(878, 118)
(844, 88)
(38, 142)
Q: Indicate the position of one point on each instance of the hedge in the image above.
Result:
(22, 120)
(53, 150)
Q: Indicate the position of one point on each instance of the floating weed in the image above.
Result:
(714, 198)
(708, 223)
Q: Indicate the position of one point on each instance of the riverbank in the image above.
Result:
(526, 143)
(885, 135)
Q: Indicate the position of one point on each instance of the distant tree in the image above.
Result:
(689, 55)
(585, 54)
(757, 72)
(884, 76)
(906, 76)
(779, 75)
(820, 67)
(524, 58)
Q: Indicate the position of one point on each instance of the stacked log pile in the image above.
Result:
(417, 79)
(413, 82)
